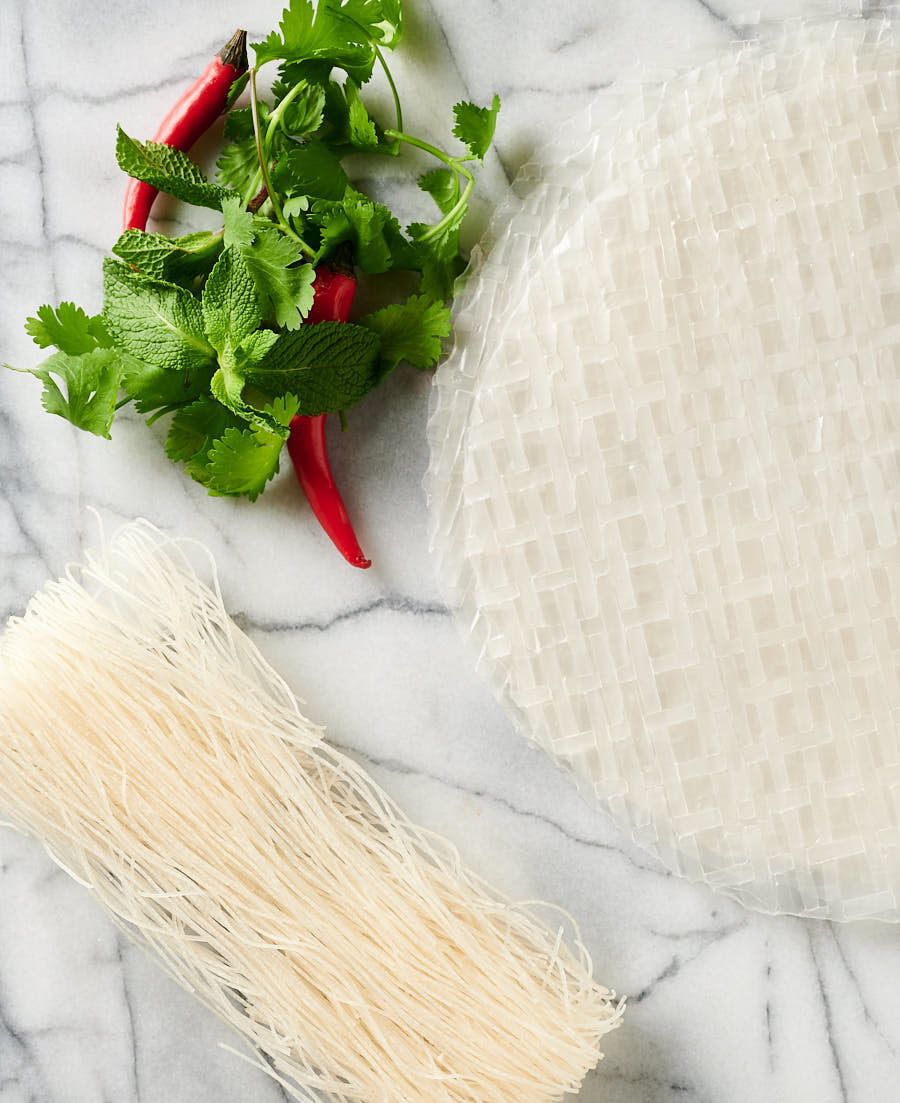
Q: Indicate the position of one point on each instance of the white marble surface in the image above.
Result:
(726, 1006)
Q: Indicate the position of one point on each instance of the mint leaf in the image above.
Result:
(167, 169)
(475, 126)
(310, 169)
(255, 348)
(242, 461)
(284, 285)
(155, 321)
(410, 331)
(177, 260)
(91, 382)
(227, 387)
(326, 367)
(231, 303)
(68, 327)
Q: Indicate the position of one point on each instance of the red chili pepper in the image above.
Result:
(306, 444)
(190, 117)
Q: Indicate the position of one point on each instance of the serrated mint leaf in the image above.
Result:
(155, 321)
(242, 461)
(442, 186)
(310, 169)
(91, 383)
(475, 126)
(227, 387)
(410, 331)
(326, 367)
(176, 260)
(68, 328)
(169, 170)
(230, 302)
(255, 348)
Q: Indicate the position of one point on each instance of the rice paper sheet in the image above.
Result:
(664, 464)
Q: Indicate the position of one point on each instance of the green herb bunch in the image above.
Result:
(208, 327)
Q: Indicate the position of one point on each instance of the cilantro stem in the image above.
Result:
(454, 163)
(393, 87)
(276, 117)
(261, 155)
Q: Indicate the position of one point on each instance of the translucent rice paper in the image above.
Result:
(664, 466)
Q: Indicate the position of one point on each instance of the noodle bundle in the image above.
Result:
(167, 767)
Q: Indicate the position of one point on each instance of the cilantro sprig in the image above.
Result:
(207, 329)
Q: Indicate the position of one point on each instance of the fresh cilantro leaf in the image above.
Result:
(475, 126)
(194, 430)
(410, 331)
(378, 244)
(238, 223)
(91, 381)
(284, 408)
(230, 303)
(168, 169)
(324, 34)
(242, 461)
(296, 206)
(177, 260)
(68, 328)
(239, 123)
(154, 389)
(362, 131)
(326, 367)
(437, 256)
(237, 166)
(155, 321)
(310, 169)
(443, 187)
(285, 286)
(303, 115)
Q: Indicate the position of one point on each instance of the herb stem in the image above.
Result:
(261, 155)
(275, 119)
(455, 163)
(393, 87)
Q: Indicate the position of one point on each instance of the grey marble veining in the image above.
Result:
(726, 1006)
